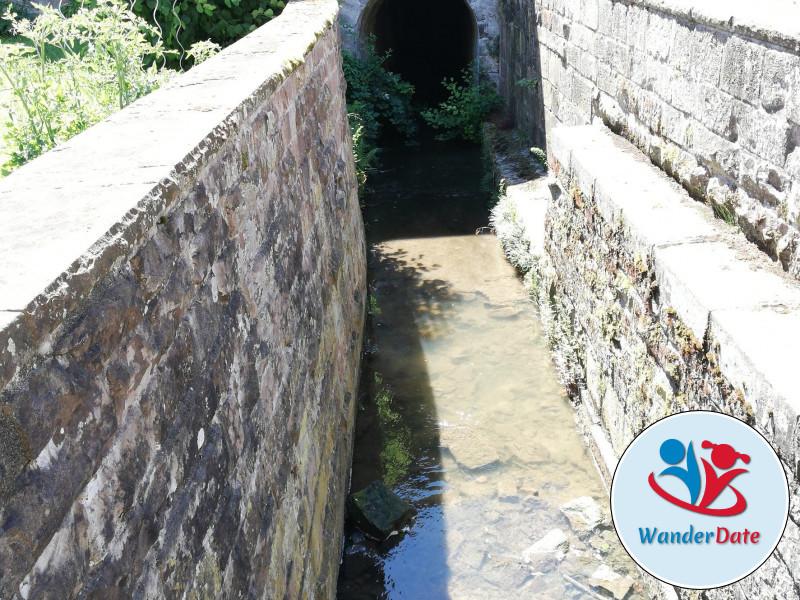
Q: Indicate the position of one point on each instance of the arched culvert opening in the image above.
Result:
(430, 40)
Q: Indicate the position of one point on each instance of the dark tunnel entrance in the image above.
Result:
(430, 40)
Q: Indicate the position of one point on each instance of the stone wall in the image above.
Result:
(652, 306)
(709, 91)
(485, 12)
(182, 293)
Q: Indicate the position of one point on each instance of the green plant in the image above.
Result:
(722, 211)
(528, 82)
(375, 96)
(372, 307)
(182, 23)
(540, 156)
(66, 74)
(20, 12)
(469, 103)
(365, 153)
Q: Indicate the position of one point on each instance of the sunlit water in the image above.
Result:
(475, 407)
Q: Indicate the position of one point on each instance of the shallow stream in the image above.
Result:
(461, 412)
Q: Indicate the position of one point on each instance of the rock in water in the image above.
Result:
(378, 511)
(584, 513)
(611, 581)
(507, 489)
(472, 450)
(547, 551)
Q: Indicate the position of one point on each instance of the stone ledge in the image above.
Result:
(773, 21)
(717, 282)
(70, 216)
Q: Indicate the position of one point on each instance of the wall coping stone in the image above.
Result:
(714, 279)
(773, 21)
(73, 214)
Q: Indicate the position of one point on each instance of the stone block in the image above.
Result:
(590, 13)
(620, 58)
(742, 67)
(584, 514)
(698, 279)
(582, 36)
(638, 67)
(684, 94)
(573, 56)
(712, 150)
(619, 22)
(582, 93)
(605, 20)
(628, 187)
(637, 26)
(588, 67)
(757, 351)
(680, 56)
(378, 511)
(765, 135)
(715, 110)
(660, 77)
(706, 55)
(552, 546)
(778, 77)
(606, 79)
(602, 49)
(660, 36)
(762, 179)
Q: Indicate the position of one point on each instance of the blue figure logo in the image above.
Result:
(672, 452)
(723, 457)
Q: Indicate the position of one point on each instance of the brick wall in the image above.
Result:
(710, 93)
(182, 296)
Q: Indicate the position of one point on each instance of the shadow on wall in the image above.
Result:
(430, 40)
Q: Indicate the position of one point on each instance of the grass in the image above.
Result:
(5, 94)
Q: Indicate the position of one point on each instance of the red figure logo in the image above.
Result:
(723, 456)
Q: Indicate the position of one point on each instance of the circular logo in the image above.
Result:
(699, 500)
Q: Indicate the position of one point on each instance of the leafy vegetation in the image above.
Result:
(374, 96)
(66, 73)
(540, 156)
(470, 101)
(528, 82)
(182, 23)
(5, 23)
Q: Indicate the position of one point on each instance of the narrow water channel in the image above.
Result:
(461, 413)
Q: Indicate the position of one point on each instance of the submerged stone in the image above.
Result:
(547, 552)
(471, 449)
(378, 511)
(584, 514)
(507, 489)
(612, 582)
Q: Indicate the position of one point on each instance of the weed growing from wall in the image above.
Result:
(539, 156)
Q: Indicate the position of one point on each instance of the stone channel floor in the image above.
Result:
(509, 503)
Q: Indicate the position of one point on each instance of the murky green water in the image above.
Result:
(469, 425)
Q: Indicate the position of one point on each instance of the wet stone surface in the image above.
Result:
(509, 503)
